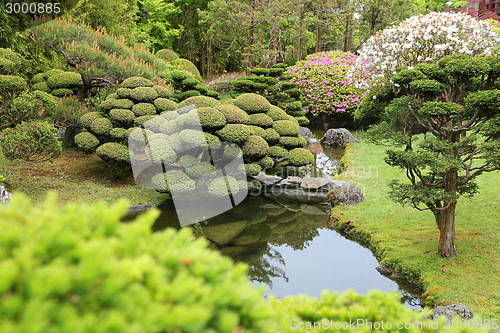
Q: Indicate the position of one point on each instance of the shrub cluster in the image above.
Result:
(185, 83)
(57, 82)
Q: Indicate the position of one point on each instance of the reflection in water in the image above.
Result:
(281, 244)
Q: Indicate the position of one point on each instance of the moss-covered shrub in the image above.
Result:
(169, 115)
(236, 133)
(119, 133)
(278, 151)
(101, 126)
(303, 121)
(271, 136)
(113, 152)
(38, 78)
(122, 115)
(292, 141)
(30, 141)
(286, 128)
(139, 136)
(86, 141)
(143, 109)
(162, 91)
(123, 92)
(252, 169)
(211, 119)
(87, 119)
(167, 55)
(135, 82)
(260, 119)
(276, 113)
(233, 114)
(174, 181)
(155, 124)
(255, 147)
(200, 169)
(159, 151)
(199, 101)
(143, 94)
(256, 130)
(187, 65)
(211, 138)
(220, 187)
(190, 84)
(52, 72)
(170, 127)
(252, 103)
(110, 104)
(68, 80)
(266, 162)
(139, 121)
(192, 138)
(62, 92)
(300, 157)
(112, 96)
(164, 104)
(42, 86)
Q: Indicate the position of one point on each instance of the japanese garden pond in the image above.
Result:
(291, 246)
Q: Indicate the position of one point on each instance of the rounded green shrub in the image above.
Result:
(143, 109)
(203, 89)
(213, 94)
(135, 82)
(280, 65)
(232, 151)
(188, 120)
(211, 138)
(155, 124)
(220, 187)
(236, 133)
(252, 103)
(101, 126)
(179, 75)
(12, 84)
(252, 169)
(256, 130)
(143, 94)
(169, 115)
(199, 170)
(68, 80)
(170, 127)
(189, 93)
(276, 113)
(266, 162)
(112, 96)
(192, 138)
(188, 161)
(110, 104)
(300, 157)
(292, 141)
(139, 121)
(303, 121)
(42, 86)
(233, 114)
(286, 128)
(115, 152)
(199, 101)
(260, 119)
(163, 104)
(159, 183)
(158, 136)
(52, 72)
(255, 147)
(37, 78)
(30, 141)
(190, 83)
(62, 92)
(162, 91)
(87, 119)
(122, 115)
(271, 136)
(254, 186)
(173, 181)
(123, 92)
(86, 141)
(118, 133)
(278, 152)
(139, 136)
(167, 55)
(188, 66)
(211, 119)
(159, 151)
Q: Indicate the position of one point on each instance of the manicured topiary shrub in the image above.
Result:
(68, 80)
(143, 94)
(277, 151)
(17, 106)
(62, 92)
(155, 124)
(38, 78)
(30, 141)
(267, 162)
(86, 141)
(119, 134)
(200, 169)
(189, 84)
(255, 147)
(42, 86)
(252, 103)
(159, 151)
(139, 121)
(199, 101)
(286, 128)
(256, 130)
(237, 133)
(292, 141)
(113, 103)
(220, 187)
(187, 65)
(192, 138)
(123, 92)
(211, 119)
(87, 119)
(143, 109)
(112, 96)
(303, 121)
(113, 152)
(233, 114)
(276, 113)
(101, 126)
(52, 72)
(252, 169)
(167, 55)
(300, 157)
(260, 119)
(169, 115)
(164, 104)
(271, 136)
(135, 82)
(211, 138)
(122, 115)
(174, 181)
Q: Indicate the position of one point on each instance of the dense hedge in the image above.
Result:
(57, 82)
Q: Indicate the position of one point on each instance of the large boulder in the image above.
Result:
(451, 311)
(339, 137)
(340, 192)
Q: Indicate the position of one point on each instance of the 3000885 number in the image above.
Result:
(32, 8)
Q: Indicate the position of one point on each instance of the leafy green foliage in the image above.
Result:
(252, 103)
(30, 141)
(167, 55)
(237, 133)
(86, 141)
(113, 152)
(286, 128)
(255, 147)
(188, 66)
(27, 106)
(260, 119)
(69, 111)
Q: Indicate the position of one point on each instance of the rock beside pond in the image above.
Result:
(339, 137)
(306, 132)
(4, 195)
(384, 270)
(451, 311)
(344, 193)
(290, 181)
(267, 180)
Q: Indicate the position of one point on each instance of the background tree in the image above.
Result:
(456, 105)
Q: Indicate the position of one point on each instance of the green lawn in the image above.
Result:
(76, 177)
(407, 239)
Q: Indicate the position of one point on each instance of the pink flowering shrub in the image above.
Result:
(423, 39)
(324, 82)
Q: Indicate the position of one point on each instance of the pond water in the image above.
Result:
(291, 247)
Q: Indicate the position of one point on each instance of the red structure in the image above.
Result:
(484, 9)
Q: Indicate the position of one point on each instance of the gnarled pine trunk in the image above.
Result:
(447, 217)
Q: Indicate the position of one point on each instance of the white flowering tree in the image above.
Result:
(423, 39)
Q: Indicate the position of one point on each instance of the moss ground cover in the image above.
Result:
(76, 177)
(407, 239)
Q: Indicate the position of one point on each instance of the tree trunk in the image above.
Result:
(318, 37)
(273, 40)
(69, 135)
(261, 46)
(84, 89)
(299, 35)
(447, 225)
(346, 35)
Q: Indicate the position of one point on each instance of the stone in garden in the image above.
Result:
(339, 137)
(311, 183)
(267, 180)
(290, 181)
(344, 193)
(306, 132)
(383, 270)
(4, 195)
(451, 311)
